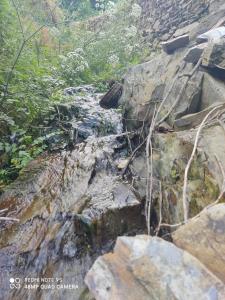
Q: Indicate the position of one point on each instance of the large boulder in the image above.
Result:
(147, 84)
(142, 84)
(146, 268)
(204, 238)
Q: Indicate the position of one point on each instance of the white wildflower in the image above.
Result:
(110, 5)
(128, 49)
(136, 10)
(131, 31)
(113, 60)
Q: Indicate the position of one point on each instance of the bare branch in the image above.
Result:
(3, 210)
(9, 219)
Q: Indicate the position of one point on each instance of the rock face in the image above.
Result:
(186, 92)
(71, 207)
(162, 17)
(204, 180)
(73, 204)
(144, 86)
(203, 237)
(151, 268)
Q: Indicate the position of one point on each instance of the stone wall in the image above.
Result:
(163, 17)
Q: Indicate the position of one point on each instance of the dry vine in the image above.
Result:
(7, 218)
(184, 198)
(149, 151)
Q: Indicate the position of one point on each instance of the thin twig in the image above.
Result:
(172, 225)
(129, 142)
(9, 219)
(149, 158)
(160, 208)
(19, 19)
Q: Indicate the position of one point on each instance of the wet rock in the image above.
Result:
(146, 267)
(81, 117)
(204, 238)
(176, 43)
(193, 55)
(79, 89)
(71, 207)
(111, 98)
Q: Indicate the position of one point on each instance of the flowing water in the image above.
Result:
(71, 204)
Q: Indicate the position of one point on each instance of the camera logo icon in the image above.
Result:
(14, 283)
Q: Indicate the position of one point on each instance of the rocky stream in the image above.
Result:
(81, 210)
(71, 205)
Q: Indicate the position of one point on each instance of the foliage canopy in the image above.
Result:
(47, 45)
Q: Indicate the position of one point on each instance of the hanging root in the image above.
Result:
(184, 199)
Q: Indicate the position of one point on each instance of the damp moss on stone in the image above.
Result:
(211, 187)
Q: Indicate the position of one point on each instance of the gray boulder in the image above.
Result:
(204, 238)
(176, 43)
(212, 35)
(144, 267)
(214, 54)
